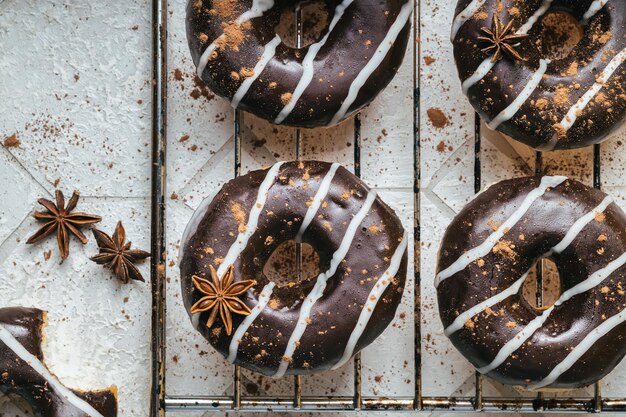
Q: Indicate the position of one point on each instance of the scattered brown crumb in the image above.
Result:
(178, 74)
(480, 262)
(441, 147)
(511, 324)
(374, 229)
(437, 117)
(246, 72)
(184, 138)
(12, 141)
(561, 96)
(285, 98)
(429, 60)
(504, 248)
(541, 104)
(240, 216)
(600, 217)
(602, 238)
(47, 254)
(605, 290)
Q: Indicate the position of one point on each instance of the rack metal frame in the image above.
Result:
(160, 403)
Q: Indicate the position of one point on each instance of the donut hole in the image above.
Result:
(539, 297)
(315, 19)
(561, 32)
(283, 268)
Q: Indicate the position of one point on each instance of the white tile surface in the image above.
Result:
(77, 78)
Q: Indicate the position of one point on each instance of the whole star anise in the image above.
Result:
(501, 40)
(117, 255)
(221, 295)
(61, 220)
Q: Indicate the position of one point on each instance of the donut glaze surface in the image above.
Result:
(546, 101)
(314, 324)
(485, 257)
(22, 371)
(240, 57)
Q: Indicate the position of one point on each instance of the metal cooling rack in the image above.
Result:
(160, 403)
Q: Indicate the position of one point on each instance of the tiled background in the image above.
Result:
(75, 89)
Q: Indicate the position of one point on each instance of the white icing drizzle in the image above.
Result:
(576, 353)
(571, 234)
(571, 116)
(268, 54)
(318, 199)
(515, 106)
(480, 73)
(519, 339)
(573, 113)
(526, 27)
(320, 285)
(487, 65)
(253, 220)
(579, 225)
(375, 61)
(258, 8)
(31, 360)
(595, 7)
(307, 63)
(464, 16)
(264, 298)
(484, 248)
(372, 300)
(462, 318)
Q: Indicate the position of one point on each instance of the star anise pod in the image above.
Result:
(61, 220)
(117, 255)
(500, 39)
(221, 295)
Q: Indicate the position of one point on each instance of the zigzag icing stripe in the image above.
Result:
(318, 290)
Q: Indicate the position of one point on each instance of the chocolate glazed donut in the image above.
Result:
(487, 253)
(239, 55)
(22, 371)
(565, 102)
(305, 326)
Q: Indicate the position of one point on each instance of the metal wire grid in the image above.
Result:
(161, 403)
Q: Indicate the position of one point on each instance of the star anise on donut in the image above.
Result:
(221, 295)
(500, 40)
(116, 254)
(60, 220)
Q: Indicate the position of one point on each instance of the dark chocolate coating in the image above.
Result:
(350, 46)
(18, 377)
(335, 314)
(543, 226)
(537, 123)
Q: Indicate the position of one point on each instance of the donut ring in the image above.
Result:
(487, 253)
(23, 371)
(240, 57)
(306, 326)
(564, 103)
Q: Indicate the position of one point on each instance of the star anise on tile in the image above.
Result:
(221, 296)
(61, 220)
(500, 40)
(116, 254)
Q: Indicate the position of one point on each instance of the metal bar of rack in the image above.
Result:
(160, 403)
